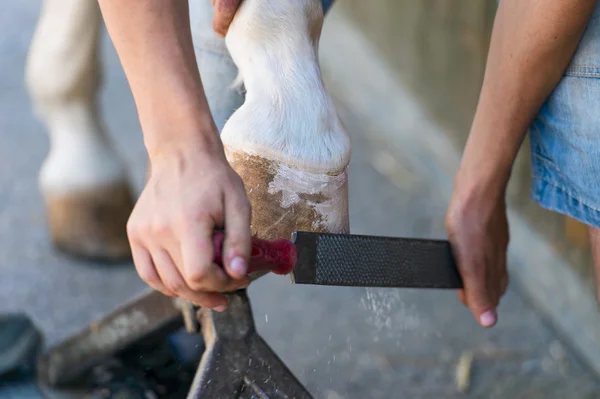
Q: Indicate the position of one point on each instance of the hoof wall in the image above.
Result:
(92, 224)
(285, 199)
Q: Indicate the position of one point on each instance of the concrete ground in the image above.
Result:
(341, 342)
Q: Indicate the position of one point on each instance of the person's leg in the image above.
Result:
(83, 181)
(595, 245)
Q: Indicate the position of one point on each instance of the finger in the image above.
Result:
(457, 256)
(494, 287)
(146, 269)
(504, 284)
(173, 280)
(197, 253)
(479, 297)
(170, 276)
(210, 300)
(462, 297)
(224, 12)
(499, 279)
(236, 248)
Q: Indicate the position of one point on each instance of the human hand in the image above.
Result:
(478, 231)
(224, 12)
(190, 192)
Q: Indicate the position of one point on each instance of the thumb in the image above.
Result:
(236, 249)
(472, 267)
(477, 297)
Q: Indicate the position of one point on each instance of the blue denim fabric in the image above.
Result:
(214, 62)
(327, 5)
(565, 136)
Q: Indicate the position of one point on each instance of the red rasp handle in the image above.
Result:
(277, 256)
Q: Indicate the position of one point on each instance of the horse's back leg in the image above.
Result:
(83, 181)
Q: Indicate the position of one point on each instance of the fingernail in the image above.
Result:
(488, 318)
(220, 308)
(238, 265)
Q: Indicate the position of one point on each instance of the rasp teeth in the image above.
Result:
(374, 261)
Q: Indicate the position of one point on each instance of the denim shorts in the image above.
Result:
(565, 136)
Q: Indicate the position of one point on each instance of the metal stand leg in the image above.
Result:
(151, 314)
(237, 362)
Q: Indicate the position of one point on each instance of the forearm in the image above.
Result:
(532, 44)
(154, 43)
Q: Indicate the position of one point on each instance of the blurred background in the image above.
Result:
(405, 75)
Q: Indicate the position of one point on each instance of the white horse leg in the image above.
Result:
(286, 141)
(83, 181)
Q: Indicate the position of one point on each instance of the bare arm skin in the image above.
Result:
(191, 189)
(154, 43)
(532, 44)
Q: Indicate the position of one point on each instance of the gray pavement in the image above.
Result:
(341, 342)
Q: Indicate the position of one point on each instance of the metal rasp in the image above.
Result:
(355, 260)
(374, 261)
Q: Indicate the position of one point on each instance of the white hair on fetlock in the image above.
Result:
(288, 116)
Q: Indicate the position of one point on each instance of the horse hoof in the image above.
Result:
(92, 224)
(286, 199)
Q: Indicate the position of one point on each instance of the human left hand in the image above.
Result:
(477, 228)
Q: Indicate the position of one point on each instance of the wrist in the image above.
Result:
(484, 171)
(481, 182)
(201, 140)
(174, 118)
(489, 153)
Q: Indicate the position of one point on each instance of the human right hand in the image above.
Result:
(191, 189)
(190, 192)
